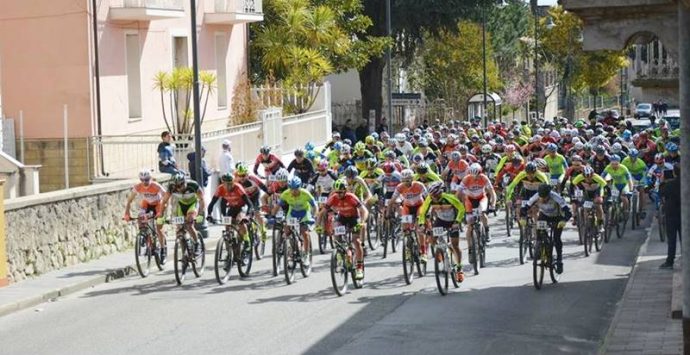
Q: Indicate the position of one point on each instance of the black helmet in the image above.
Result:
(178, 179)
(227, 177)
(544, 190)
(265, 149)
(423, 168)
(351, 172)
(531, 167)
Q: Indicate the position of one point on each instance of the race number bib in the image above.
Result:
(280, 214)
(177, 221)
(339, 230)
(406, 218)
(293, 222)
(542, 225)
(588, 205)
(578, 193)
(438, 231)
(226, 220)
(615, 193)
(323, 199)
(525, 203)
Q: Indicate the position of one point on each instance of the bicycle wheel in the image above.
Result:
(609, 221)
(385, 237)
(323, 240)
(143, 260)
(597, 236)
(372, 232)
(634, 211)
(473, 255)
(552, 264)
(181, 263)
(482, 247)
(581, 225)
(200, 261)
(245, 257)
(622, 221)
(523, 245)
(277, 250)
(394, 236)
(509, 221)
(421, 266)
(529, 232)
(223, 261)
(257, 242)
(538, 265)
(588, 238)
(289, 259)
(441, 272)
(339, 272)
(306, 270)
(450, 261)
(408, 258)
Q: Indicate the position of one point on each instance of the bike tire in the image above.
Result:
(581, 225)
(223, 260)
(441, 272)
(662, 224)
(289, 262)
(143, 261)
(598, 238)
(474, 256)
(306, 270)
(634, 213)
(622, 221)
(181, 263)
(523, 245)
(199, 263)
(608, 227)
(509, 220)
(246, 258)
(259, 245)
(385, 237)
(450, 261)
(323, 240)
(339, 272)
(373, 235)
(408, 260)
(277, 250)
(588, 239)
(555, 277)
(482, 248)
(421, 266)
(538, 267)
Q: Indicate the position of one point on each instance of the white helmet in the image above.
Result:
(576, 140)
(616, 148)
(406, 174)
(145, 174)
(345, 149)
(282, 175)
(578, 146)
(487, 148)
(400, 137)
(475, 169)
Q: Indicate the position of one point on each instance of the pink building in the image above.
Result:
(48, 58)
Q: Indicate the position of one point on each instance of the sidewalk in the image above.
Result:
(52, 285)
(643, 323)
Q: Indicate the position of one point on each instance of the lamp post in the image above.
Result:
(389, 79)
(535, 9)
(484, 63)
(195, 93)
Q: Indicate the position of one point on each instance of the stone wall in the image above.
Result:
(57, 229)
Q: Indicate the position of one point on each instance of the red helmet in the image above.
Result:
(659, 159)
(388, 168)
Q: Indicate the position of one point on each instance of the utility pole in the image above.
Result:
(389, 79)
(483, 5)
(195, 93)
(535, 9)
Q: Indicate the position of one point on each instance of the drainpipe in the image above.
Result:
(684, 83)
(97, 74)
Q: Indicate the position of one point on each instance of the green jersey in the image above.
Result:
(620, 176)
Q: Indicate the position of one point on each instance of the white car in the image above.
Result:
(643, 110)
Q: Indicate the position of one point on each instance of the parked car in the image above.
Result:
(643, 110)
(640, 125)
(673, 118)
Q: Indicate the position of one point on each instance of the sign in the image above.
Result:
(407, 99)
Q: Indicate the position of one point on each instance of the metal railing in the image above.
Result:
(658, 70)
(239, 6)
(154, 4)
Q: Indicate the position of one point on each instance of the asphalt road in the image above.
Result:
(496, 312)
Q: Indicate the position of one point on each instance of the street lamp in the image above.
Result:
(195, 92)
(389, 80)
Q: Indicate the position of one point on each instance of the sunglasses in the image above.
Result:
(145, 180)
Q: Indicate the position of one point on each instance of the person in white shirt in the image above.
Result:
(226, 163)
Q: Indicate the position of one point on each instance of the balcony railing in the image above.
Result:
(146, 10)
(235, 12)
(657, 74)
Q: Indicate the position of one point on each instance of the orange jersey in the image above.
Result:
(510, 170)
(412, 195)
(458, 169)
(474, 186)
(151, 194)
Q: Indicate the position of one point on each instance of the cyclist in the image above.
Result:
(512, 169)
(412, 193)
(671, 156)
(322, 181)
(361, 155)
(425, 175)
(269, 161)
(372, 177)
(552, 208)
(275, 188)
(300, 204)
(556, 163)
(600, 160)
(236, 198)
(529, 179)
(449, 214)
(592, 186)
(357, 185)
(352, 214)
(345, 160)
(188, 196)
(152, 193)
(253, 187)
(620, 176)
(456, 168)
(637, 169)
(489, 160)
(474, 188)
(302, 167)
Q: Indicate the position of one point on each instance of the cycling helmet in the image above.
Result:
(299, 152)
(555, 135)
(371, 163)
(336, 135)
(587, 147)
(579, 124)
(178, 179)
(345, 149)
(282, 175)
(407, 175)
(517, 160)
(544, 190)
(578, 146)
(227, 177)
(384, 135)
(145, 175)
(531, 167)
(436, 188)
(388, 168)
(510, 148)
(347, 142)
(575, 158)
(241, 168)
(627, 135)
(659, 158)
(541, 163)
(323, 165)
(615, 158)
(401, 138)
(576, 140)
(499, 140)
(475, 169)
(423, 143)
(634, 153)
(338, 146)
(455, 156)
(351, 172)
(309, 146)
(360, 147)
(599, 149)
(462, 148)
(375, 136)
(417, 158)
(423, 168)
(551, 147)
(295, 182)
(616, 148)
(474, 138)
(672, 147)
(369, 140)
(487, 148)
(588, 172)
(311, 155)
(265, 150)
(390, 154)
(339, 185)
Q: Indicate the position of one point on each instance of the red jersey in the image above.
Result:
(346, 206)
(271, 164)
(235, 197)
(510, 170)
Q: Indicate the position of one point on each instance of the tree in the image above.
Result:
(451, 66)
(518, 94)
(177, 87)
(300, 42)
(507, 26)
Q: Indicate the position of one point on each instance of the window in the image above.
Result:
(133, 54)
(221, 74)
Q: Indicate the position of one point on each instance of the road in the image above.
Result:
(496, 312)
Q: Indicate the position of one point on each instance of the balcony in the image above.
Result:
(146, 10)
(657, 74)
(231, 12)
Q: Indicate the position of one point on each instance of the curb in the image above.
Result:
(48, 296)
(628, 286)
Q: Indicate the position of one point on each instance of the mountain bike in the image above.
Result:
(184, 251)
(146, 249)
(342, 265)
(232, 249)
(544, 247)
(443, 260)
(390, 229)
(477, 252)
(411, 255)
(292, 251)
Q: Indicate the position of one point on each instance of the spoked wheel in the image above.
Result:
(442, 271)
(323, 242)
(289, 260)
(245, 258)
(450, 262)
(523, 245)
(306, 270)
(588, 239)
(482, 247)
(181, 263)
(373, 235)
(339, 272)
(473, 255)
(538, 266)
(609, 220)
(385, 237)
(552, 264)
(509, 221)
(258, 242)
(622, 220)
(595, 234)
(199, 261)
(408, 259)
(581, 225)
(223, 260)
(421, 266)
(143, 254)
(635, 212)
(277, 250)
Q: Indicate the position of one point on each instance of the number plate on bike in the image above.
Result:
(226, 220)
(323, 199)
(272, 178)
(439, 231)
(339, 230)
(578, 193)
(293, 222)
(615, 193)
(506, 179)
(177, 220)
(542, 225)
(386, 202)
(588, 204)
(280, 214)
(406, 218)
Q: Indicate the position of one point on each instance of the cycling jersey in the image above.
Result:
(528, 184)
(509, 170)
(412, 195)
(458, 169)
(430, 176)
(299, 206)
(475, 186)
(620, 176)
(596, 185)
(448, 209)
(323, 183)
(303, 170)
(346, 206)
(637, 167)
(359, 187)
(235, 197)
(252, 185)
(361, 159)
(151, 194)
(599, 164)
(556, 163)
(271, 164)
(187, 195)
(390, 183)
(490, 162)
(552, 207)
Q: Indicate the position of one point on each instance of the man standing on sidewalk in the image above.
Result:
(670, 192)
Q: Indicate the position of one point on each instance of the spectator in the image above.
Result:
(362, 131)
(670, 192)
(347, 132)
(166, 158)
(664, 108)
(383, 126)
(204, 168)
(226, 163)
